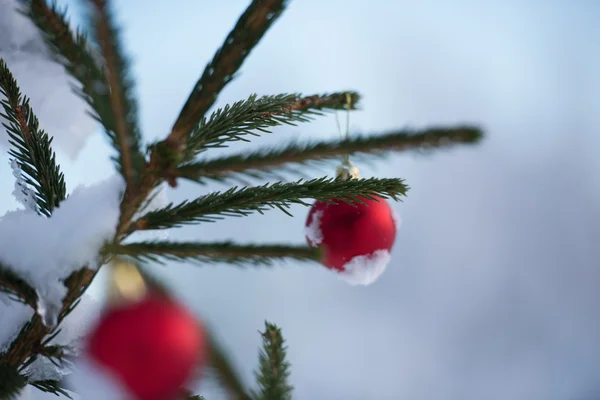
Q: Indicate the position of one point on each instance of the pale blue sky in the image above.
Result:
(493, 289)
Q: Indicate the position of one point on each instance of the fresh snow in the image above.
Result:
(43, 369)
(43, 81)
(364, 270)
(44, 251)
(397, 219)
(313, 230)
(22, 192)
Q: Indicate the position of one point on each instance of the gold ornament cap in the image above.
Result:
(126, 283)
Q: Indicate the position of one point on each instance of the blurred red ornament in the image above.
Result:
(153, 346)
(356, 239)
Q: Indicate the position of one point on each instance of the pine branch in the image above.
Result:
(72, 50)
(31, 146)
(125, 134)
(225, 252)
(263, 162)
(12, 284)
(246, 117)
(273, 372)
(248, 31)
(244, 201)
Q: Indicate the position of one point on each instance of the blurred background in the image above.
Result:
(494, 287)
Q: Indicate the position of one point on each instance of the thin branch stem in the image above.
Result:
(266, 161)
(225, 252)
(250, 28)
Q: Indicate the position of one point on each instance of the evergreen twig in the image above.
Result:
(249, 29)
(273, 372)
(124, 132)
(246, 117)
(265, 161)
(31, 145)
(244, 201)
(225, 252)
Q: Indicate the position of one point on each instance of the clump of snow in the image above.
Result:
(62, 113)
(43, 369)
(364, 270)
(397, 219)
(313, 230)
(22, 192)
(13, 315)
(44, 251)
(92, 382)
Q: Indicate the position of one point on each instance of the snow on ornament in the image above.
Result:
(357, 238)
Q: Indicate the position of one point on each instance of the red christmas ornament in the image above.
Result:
(152, 345)
(356, 239)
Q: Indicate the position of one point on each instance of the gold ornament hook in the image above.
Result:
(346, 170)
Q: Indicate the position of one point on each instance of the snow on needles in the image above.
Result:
(397, 219)
(43, 251)
(22, 192)
(364, 270)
